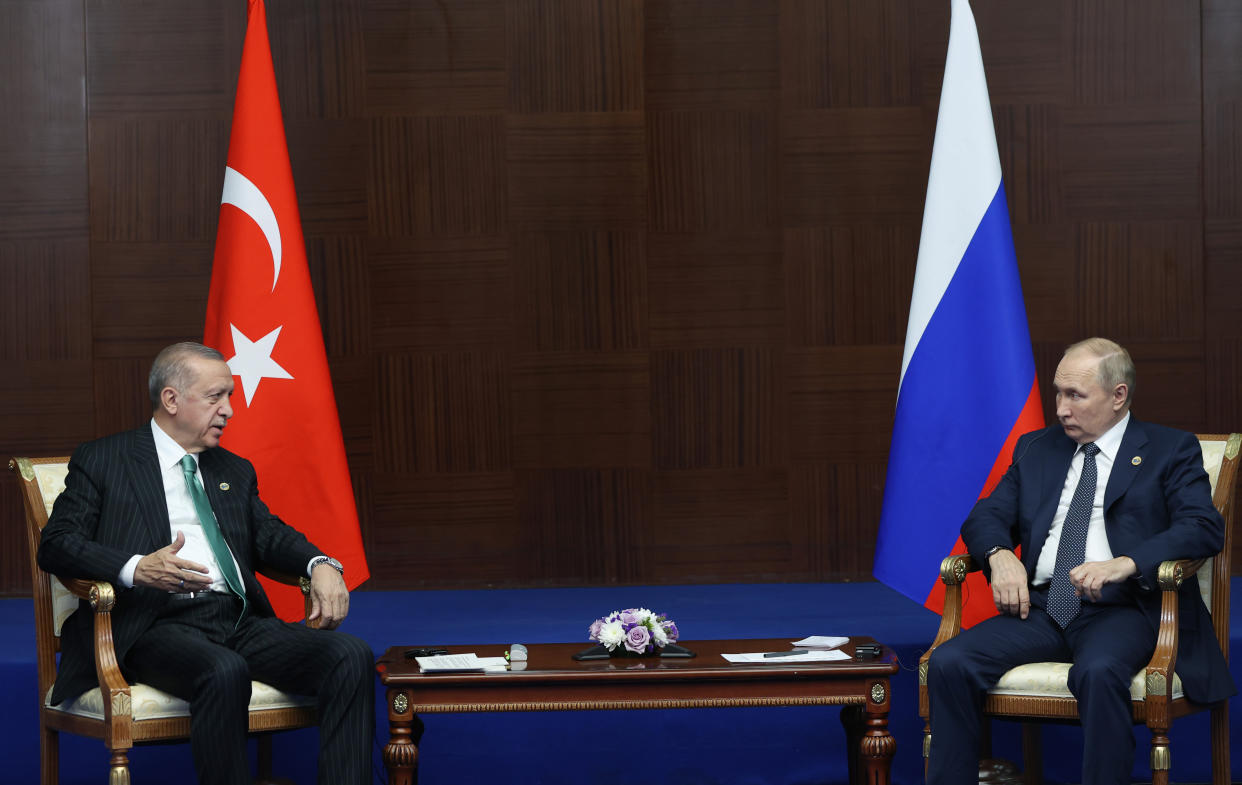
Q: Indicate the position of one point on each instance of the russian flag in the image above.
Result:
(968, 387)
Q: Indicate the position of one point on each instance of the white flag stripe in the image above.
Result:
(965, 173)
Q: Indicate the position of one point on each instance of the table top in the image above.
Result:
(552, 662)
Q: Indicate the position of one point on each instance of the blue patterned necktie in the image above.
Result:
(1063, 603)
(211, 529)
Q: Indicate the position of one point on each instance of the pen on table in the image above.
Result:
(789, 653)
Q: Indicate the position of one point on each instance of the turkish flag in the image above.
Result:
(261, 314)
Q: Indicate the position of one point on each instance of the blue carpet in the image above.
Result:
(761, 746)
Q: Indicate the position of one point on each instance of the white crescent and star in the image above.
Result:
(252, 360)
(246, 196)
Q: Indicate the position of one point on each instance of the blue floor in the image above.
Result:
(762, 746)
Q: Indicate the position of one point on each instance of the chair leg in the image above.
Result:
(1220, 745)
(118, 768)
(49, 756)
(1032, 754)
(265, 756)
(1160, 757)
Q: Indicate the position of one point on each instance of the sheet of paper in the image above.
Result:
(810, 655)
(821, 642)
(460, 663)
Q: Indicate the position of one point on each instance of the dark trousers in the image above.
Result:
(197, 651)
(1107, 645)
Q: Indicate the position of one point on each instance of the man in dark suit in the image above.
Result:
(176, 522)
(1095, 504)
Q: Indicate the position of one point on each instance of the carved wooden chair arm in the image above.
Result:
(953, 572)
(289, 579)
(116, 698)
(1169, 577)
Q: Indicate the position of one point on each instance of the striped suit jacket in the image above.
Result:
(114, 507)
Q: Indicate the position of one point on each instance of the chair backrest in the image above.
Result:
(1220, 460)
(42, 480)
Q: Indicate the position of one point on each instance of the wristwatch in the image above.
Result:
(992, 552)
(328, 560)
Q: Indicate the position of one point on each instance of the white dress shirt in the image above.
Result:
(1098, 548)
(181, 514)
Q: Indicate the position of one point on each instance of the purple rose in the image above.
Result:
(670, 629)
(637, 639)
(596, 626)
(628, 618)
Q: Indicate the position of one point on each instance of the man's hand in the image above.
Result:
(329, 597)
(1009, 590)
(1090, 577)
(166, 571)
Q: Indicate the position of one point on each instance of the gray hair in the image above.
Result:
(1115, 366)
(170, 368)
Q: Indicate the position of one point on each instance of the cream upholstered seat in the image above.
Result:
(131, 713)
(1040, 691)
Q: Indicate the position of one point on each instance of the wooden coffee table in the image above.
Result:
(552, 681)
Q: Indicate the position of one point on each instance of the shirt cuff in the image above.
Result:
(127, 572)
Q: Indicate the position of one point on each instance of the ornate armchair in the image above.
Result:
(1039, 692)
(116, 712)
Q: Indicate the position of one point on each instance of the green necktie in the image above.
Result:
(212, 529)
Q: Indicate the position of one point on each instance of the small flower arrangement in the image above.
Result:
(637, 629)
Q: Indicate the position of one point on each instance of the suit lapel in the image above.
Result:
(1133, 447)
(143, 470)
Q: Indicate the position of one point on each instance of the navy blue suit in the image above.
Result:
(1157, 507)
(114, 507)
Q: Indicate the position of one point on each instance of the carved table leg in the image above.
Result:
(401, 752)
(851, 720)
(878, 745)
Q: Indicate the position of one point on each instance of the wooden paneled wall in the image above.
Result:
(613, 290)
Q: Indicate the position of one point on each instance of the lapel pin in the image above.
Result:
(1136, 460)
(224, 486)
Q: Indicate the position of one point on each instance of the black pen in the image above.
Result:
(789, 653)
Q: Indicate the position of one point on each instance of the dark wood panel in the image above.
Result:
(576, 171)
(159, 58)
(613, 548)
(1127, 51)
(156, 179)
(45, 299)
(847, 54)
(441, 294)
(574, 55)
(713, 171)
(581, 409)
(837, 506)
(436, 177)
(854, 165)
(452, 529)
(711, 290)
(329, 161)
(712, 54)
(424, 57)
(849, 284)
(143, 293)
(841, 402)
(723, 525)
(442, 413)
(1111, 167)
(718, 408)
(579, 290)
(1142, 281)
(318, 56)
